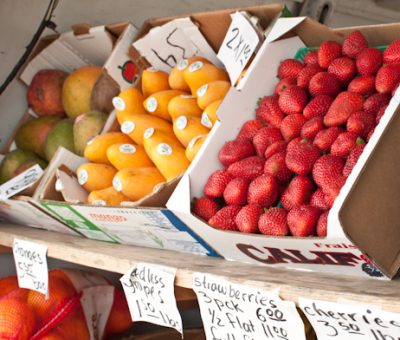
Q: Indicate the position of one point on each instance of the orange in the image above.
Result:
(94, 176)
(119, 319)
(128, 101)
(53, 335)
(154, 80)
(188, 127)
(194, 146)
(9, 286)
(128, 155)
(183, 105)
(107, 196)
(74, 326)
(157, 103)
(211, 92)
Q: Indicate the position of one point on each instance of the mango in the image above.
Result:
(96, 149)
(127, 102)
(77, 90)
(95, 176)
(153, 137)
(194, 146)
(188, 127)
(211, 92)
(176, 80)
(104, 90)
(62, 134)
(154, 80)
(108, 196)
(123, 156)
(209, 115)
(183, 105)
(157, 103)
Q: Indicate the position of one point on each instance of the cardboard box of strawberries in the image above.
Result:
(270, 184)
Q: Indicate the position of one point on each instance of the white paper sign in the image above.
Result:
(149, 290)
(238, 46)
(232, 311)
(31, 263)
(332, 320)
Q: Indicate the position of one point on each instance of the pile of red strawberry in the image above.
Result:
(287, 166)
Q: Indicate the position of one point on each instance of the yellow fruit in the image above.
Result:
(188, 127)
(183, 105)
(209, 116)
(157, 103)
(127, 102)
(136, 183)
(194, 146)
(153, 81)
(123, 156)
(96, 149)
(199, 73)
(153, 137)
(107, 196)
(94, 176)
(211, 92)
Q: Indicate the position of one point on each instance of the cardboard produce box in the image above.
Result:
(363, 222)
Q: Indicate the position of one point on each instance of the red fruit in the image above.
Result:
(318, 200)
(364, 85)
(324, 83)
(297, 193)
(326, 169)
(380, 113)
(216, 183)
(235, 192)
(289, 68)
(275, 166)
(369, 61)
(387, 78)
(322, 224)
(301, 156)
(224, 219)
(235, 150)
(264, 138)
(249, 129)
(360, 123)
(395, 89)
(392, 53)
(273, 222)
(332, 189)
(325, 138)
(352, 159)
(311, 58)
(354, 44)
(269, 111)
(344, 69)
(264, 191)
(247, 218)
(291, 126)
(275, 148)
(345, 142)
(373, 103)
(370, 134)
(283, 84)
(205, 207)
(312, 127)
(318, 106)
(327, 52)
(302, 221)
(306, 74)
(342, 107)
(293, 100)
(250, 167)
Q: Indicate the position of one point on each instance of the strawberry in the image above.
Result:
(360, 123)
(322, 224)
(283, 84)
(306, 74)
(380, 113)
(370, 134)
(273, 222)
(269, 111)
(291, 126)
(327, 52)
(344, 143)
(298, 192)
(224, 219)
(373, 103)
(247, 218)
(205, 208)
(235, 150)
(293, 100)
(301, 156)
(387, 78)
(318, 106)
(274, 148)
(369, 61)
(392, 53)
(263, 190)
(326, 169)
(332, 189)
(325, 138)
(250, 167)
(275, 166)
(289, 68)
(311, 58)
(318, 200)
(352, 159)
(302, 221)
(249, 129)
(264, 138)
(364, 85)
(344, 69)
(235, 192)
(354, 44)
(311, 127)
(395, 89)
(216, 183)
(342, 107)
(324, 83)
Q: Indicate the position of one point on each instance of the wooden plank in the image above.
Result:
(292, 284)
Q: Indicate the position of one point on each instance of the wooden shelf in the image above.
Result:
(292, 284)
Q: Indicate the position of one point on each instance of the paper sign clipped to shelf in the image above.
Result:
(232, 311)
(238, 46)
(149, 290)
(31, 263)
(332, 320)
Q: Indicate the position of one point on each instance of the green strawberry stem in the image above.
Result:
(360, 141)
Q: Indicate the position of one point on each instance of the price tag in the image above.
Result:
(31, 263)
(238, 46)
(332, 320)
(149, 290)
(232, 311)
